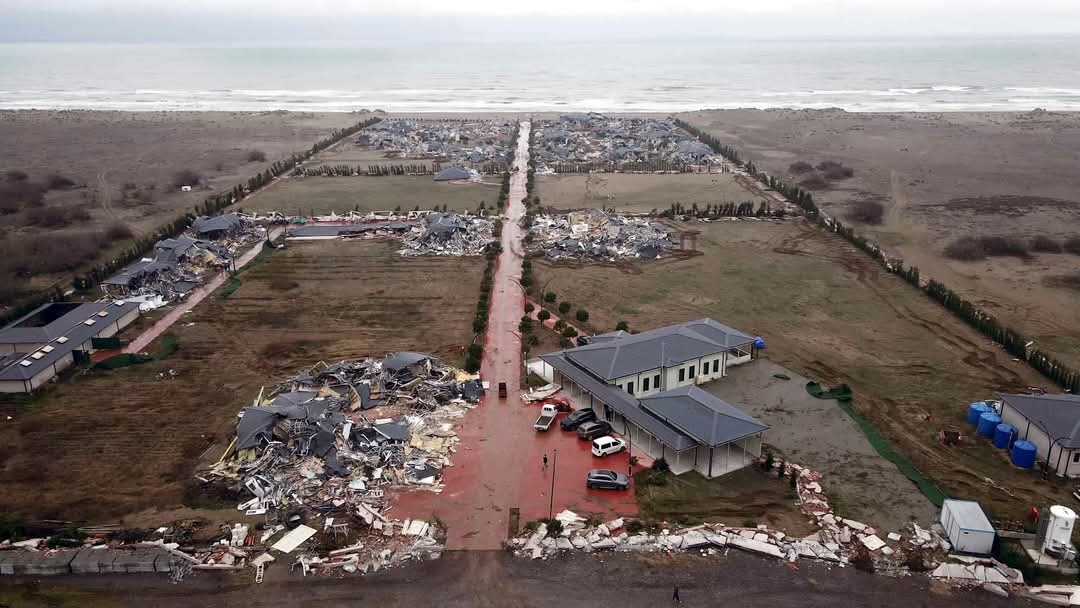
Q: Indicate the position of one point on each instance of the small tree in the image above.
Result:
(781, 469)
(582, 315)
(529, 307)
(622, 326)
(532, 340)
(768, 464)
(549, 297)
(526, 325)
(564, 307)
(543, 315)
(560, 325)
(794, 480)
(569, 332)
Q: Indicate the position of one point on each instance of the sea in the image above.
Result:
(628, 76)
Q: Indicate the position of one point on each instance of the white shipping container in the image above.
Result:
(967, 527)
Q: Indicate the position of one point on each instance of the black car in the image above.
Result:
(605, 479)
(594, 429)
(577, 418)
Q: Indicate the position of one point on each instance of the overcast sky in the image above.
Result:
(412, 21)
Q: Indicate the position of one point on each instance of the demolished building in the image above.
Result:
(336, 438)
(609, 143)
(465, 141)
(596, 234)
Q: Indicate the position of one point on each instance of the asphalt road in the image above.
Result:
(498, 579)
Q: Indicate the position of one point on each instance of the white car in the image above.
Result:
(602, 446)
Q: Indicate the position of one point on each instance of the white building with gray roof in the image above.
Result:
(645, 385)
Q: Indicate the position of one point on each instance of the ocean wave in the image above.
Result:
(1044, 90)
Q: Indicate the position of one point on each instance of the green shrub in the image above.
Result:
(622, 326)
(549, 297)
(633, 526)
(582, 315)
(529, 307)
(564, 307)
(569, 332)
(543, 315)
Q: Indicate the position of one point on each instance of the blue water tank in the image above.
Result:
(1023, 454)
(759, 343)
(1004, 435)
(977, 409)
(987, 423)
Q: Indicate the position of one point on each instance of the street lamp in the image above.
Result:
(551, 494)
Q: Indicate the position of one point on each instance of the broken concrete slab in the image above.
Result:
(754, 546)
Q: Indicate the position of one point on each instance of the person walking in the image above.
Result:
(545, 462)
(675, 596)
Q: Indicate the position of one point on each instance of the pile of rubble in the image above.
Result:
(596, 234)
(598, 139)
(232, 548)
(455, 141)
(449, 234)
(179, 265)
(838, 540)
(335, 440)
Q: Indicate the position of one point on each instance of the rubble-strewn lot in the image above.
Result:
(633, 193)
(325, 300)
(613, 142)
(456, 141)
(827, 312)
(594, 234)
(308, 196)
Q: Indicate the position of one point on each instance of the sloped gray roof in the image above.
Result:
(664, 347)
(206, 224)
(1058, 415)
(452, 173)
(705, 417)
(402, 360)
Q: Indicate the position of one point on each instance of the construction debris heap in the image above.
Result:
(600, 140)
(595, 234)
(455, 141)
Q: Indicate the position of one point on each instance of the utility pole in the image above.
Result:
(551, 494)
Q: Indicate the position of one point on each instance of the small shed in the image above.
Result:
(967, 527)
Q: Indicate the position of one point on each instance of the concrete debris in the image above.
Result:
(464, 141)
(449, 234)
(596, 234)
(611, 144)
(872, 542)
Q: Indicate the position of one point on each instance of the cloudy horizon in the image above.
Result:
(412, 22)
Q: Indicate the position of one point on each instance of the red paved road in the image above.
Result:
(498, 464)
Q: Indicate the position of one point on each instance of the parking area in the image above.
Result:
(482, 486)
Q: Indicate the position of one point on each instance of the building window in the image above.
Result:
(682, 374)
(630, 387)
(656, 382)
(1076, 456)
(716, 366)
(692, 370)
(645, 385)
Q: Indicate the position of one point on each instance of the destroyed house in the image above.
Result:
(645, 385)
(168, 254)
(216, 227)
(38, 346)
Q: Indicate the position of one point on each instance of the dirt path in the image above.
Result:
(497, 579)
(197, 295)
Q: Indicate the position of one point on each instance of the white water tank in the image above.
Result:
(1059, 528)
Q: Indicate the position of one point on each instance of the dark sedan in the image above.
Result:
(606, 479)
(594, 429)
(577, 418)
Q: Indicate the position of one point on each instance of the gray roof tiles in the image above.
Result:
(1057, 415)
(631, 354)
(705, 417)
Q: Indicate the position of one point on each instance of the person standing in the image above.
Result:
(545, 462)
(675, 596)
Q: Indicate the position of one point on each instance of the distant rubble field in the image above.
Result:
(91, 180)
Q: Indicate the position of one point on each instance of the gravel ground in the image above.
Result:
(815, 432)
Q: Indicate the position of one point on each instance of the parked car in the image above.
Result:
(547, 416)
(606, 479)
(594, 429)
(602, 446)
(502, 390)
(577, 418)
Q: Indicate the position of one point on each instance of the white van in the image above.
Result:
(602, 446)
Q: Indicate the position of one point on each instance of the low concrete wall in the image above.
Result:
(20, 562)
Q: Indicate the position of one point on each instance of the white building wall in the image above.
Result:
(12, 386)
(1060, 460)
